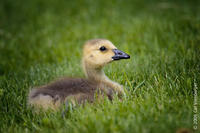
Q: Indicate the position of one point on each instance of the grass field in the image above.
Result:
(41, 40)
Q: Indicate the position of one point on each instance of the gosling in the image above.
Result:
(96, 54)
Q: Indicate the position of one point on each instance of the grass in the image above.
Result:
(41, 40)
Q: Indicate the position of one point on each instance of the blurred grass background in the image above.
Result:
(41, 40)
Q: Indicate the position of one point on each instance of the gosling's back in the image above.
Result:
(55, 93)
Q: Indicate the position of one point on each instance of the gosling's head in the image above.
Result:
(99, 52)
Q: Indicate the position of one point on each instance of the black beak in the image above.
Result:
(120, 55)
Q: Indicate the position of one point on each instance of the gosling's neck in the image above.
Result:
(98, 75)
(94, 73)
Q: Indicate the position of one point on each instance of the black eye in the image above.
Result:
(102, 48)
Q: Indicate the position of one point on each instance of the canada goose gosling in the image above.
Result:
(96, 54)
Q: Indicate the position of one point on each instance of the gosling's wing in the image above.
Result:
(65, 87)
